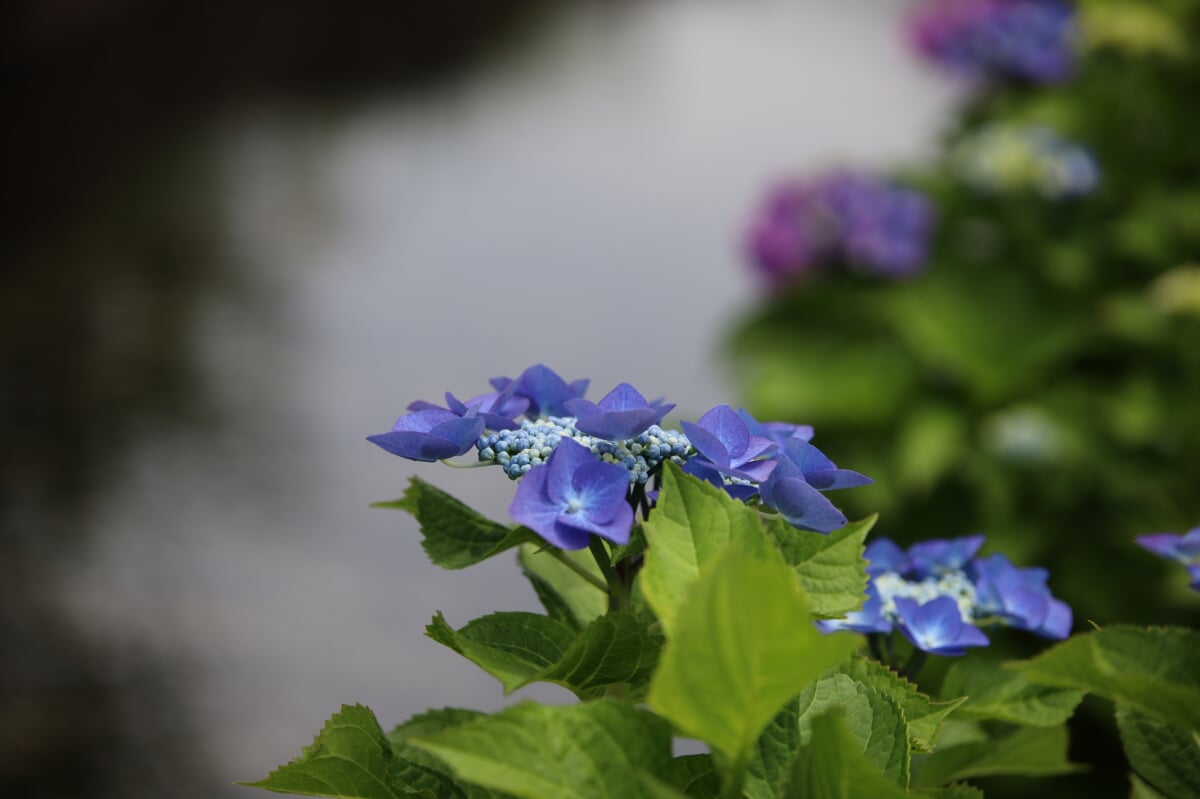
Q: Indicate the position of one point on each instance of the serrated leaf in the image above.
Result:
(743, 645)
(692, 526)
(1155, 670)
(520, 648)
(455, 536)
(349, 758)
(874, 718)
(561, 591)
(1167, 757)
(431, 723)
(995, 693)
(924, 715)
(832, 765)
(831, 567)
(594, 750)
(771, 759)
(1025, 752)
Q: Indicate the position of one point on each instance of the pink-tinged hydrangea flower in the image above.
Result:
(1184, 549)
(573, 496)
(430, 434)
(1030, 40)
(622, 413)
(839, 218)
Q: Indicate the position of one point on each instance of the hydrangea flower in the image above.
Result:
(1184, 549)
(1008, 158)
(916, 591)
(574, 496)
(728, 448)
(621, 413)
(839, 218)
(1030, 40)
(430, 434)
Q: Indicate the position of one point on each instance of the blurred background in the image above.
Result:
(240, 240)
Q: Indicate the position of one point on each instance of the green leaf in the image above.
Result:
(513, 647)
(696, 776)
(831, 567)
(455, 536)
(1140, 790)
(349, 758)
(959, 790)
(1155, 670)
(833, 766)
(743, 645)
(1027, 752)
(924, 715)
(874, 718)
(562, 592)
(1166, 757)
(594, 750)
(692, 526)
(442, 785)
(520, 648)
(996, 693)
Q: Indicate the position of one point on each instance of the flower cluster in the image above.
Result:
(840, 218)
(584, 467)
(1025, 158)
(1184, 549)
(939, 595)
(1030, 40)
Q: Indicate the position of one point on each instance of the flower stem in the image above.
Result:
(578, 568)
(475, 465)
(913, 667)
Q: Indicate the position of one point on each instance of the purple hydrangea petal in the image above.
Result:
(430, 434)
(778, 432)
(799, 503)
(723, 423)
(572, 495)
(544, 388)
(884, 555)
(939, 555)
(1057, 625)
(709, 446)
(937, 626)
(869, 619)
(1019, 596)
(820, 472)
(621, 414)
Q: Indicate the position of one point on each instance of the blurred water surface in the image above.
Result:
(577, 204)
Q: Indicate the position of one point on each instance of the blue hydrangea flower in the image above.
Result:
(776, 431)
(794, 487)
(1184, 549)
(499, 409)
(573, 496)
(546, 391)
(937, 627)
(1030, 40)
(983, 591)
(430, 434)
(725, 445)
(622, 413)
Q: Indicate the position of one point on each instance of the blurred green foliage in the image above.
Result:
(1040, 380)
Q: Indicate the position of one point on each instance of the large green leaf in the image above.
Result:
(924, 716)
(351, 758)
(1166, 757)
(995, 693)
(455, 536)
(1155, 670)
(696, 776)
(692, 526)
(832, 765)
(1027, 752)
(594, 750)
(520, 648)
(831, 567)
(873, 717)
(427, 724)
(565, 595)
(743, 645)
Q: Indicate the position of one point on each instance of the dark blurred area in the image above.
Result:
(109, 247)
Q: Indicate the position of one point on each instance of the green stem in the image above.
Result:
(578, 568)
(474, 465)
(617, 593)
(913, 667)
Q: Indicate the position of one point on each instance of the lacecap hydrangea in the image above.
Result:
(941, 596)
(839, 219)
(1025, 158)
(1184, 549)
(587, 468)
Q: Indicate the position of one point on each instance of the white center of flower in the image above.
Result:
(574, 506)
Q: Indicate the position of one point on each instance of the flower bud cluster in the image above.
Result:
(518, 451)
(1006, 158)
(840, 218)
